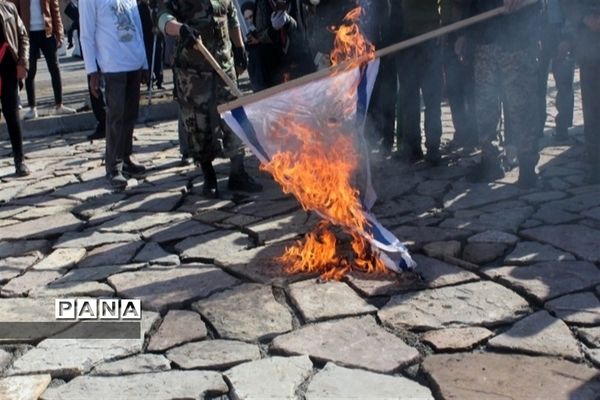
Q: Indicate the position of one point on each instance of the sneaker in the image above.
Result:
(485, 172)
(32, 113)
(132, 169)
(117, 180)
(21, 169)
(243, 183)
(63, 110)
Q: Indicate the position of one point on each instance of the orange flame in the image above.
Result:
(320, 174)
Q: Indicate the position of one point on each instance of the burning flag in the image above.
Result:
(310, 138)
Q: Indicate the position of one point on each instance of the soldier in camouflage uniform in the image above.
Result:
(200, 90)
(506, 72)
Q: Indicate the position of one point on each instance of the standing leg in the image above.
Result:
(132, 98)
(431, 84)
(34, 54)
(116, 86)
(590, 93)
(99, 110)
(49, 49)
(563, 70)
(410, 107)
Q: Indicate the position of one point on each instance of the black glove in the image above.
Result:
(240, 58)
(188, 36)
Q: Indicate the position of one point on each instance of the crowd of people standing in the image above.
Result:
(494, 74)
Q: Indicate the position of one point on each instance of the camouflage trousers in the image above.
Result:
(507, 80)
(198, 95)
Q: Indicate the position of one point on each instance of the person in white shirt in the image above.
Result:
(112, 40)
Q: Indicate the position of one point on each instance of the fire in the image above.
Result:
(321, 174)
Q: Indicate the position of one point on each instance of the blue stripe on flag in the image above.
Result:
(361, 107)
(377, 234)
(240, 116)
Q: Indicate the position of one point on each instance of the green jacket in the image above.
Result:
(420, 16)
(213, 19)
(586, 42)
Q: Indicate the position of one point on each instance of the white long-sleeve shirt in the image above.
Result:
(111, 34)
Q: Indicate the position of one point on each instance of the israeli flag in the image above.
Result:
(341, 98)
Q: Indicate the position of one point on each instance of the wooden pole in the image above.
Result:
(213, 63)
(263, 94)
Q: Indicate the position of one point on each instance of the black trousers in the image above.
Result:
(98, 108)
(8, 72)
(48, 46)
(590, 97)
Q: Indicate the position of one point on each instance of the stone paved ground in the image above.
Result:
(506, 306)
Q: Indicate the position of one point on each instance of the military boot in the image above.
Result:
(239, 180)
(210, 188)
(528, 179)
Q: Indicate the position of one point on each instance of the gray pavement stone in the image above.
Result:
(178, 326)
(592, 213)
(437, 273)
(579, 202)
(465, 376)
(39, 212)
(140, 221)
(539, 333)
(86, 190)
(150, 202)
(498, 237)
(269, 378)
(154, 386)
(30, 280)
(47, 185)
(593, 355)
(320, 301)
(576, 239)
(41, 228)
(61, 259)
(267, 209)
(153, 253)
(477, 195)
(212, 246)
(96, 273)
(248, 312)
(176, 231)
(212, 216)
(456, 338)
(450, 248)
(282, 228)
(72, 289)
(138, 364)
(579, 308)
(416, 237)
(11, 267)
(161, 289)
(545, 281)
(372, 285)
(8, 193)
(5, 359)
(544, 197)
(111, 254)
(98, 205)
(334, 382)
(92, 239)
(591, 336)
(213, 354)
(351, 342)
(479, 303)
(21, 247)
(554, 216)
(481, 253)
(23, 387)
(532, 252)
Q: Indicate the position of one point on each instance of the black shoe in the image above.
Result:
(116, 180)
(210, 189)
(97, 135)
(411, 156)
(132, 169)
(70, 46)
(186, 161)
(21, 169)
(528, 179)
(243, 182)
(485, 172)
(433, 157)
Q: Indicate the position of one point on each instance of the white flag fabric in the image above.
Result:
(340, 99)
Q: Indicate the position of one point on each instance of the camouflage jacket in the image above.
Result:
(213, 19)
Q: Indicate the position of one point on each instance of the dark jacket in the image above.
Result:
(50, 12)
(15, 33)
(586, 42)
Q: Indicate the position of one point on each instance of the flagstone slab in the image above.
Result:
(544, 197)
(283, 227)
(479, 303)
(539, 333)
(248, 312)
(98, 205)
(150, 202)
(438, 273)
(47, 185)
(439, 250)
(267, 209)
(498, 237)
(5, 358)
(320, 301)
(212, 246)
(11, 267)
(140, 221)
(30, 280)
(477, 195)
(39, 212)
(153, 253)
(481, 253)
(335, 383)
(578, 203)
(579, 308)
(91, 239)
(176, 231)
(373, 285)
(553, 216)
(41, 228)
(67, 358)
(111, 254)
(177, 327)
(8, 193)
(468, 375)
(61, 259)
(532, 252)
(161, 289)
(213, 354)
(593, 355)
(269, 378)
(452, 339)
(545, 281)
(85, 190)
(73, 289)
(418, 236)
(576, 239)
(96, 273)
(591, 336)
(153, 386)
(138, 364)
(351, 342)
(28, 387)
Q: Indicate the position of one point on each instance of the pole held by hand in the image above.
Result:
(213, 63)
